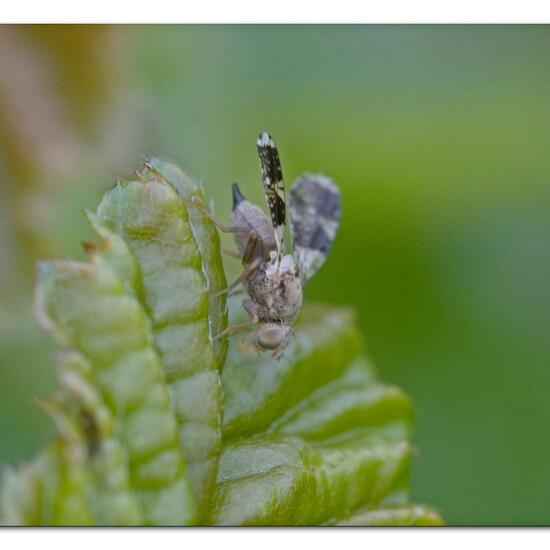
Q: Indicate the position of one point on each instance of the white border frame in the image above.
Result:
(275, 11)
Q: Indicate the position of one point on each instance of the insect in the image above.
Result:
(274, 280)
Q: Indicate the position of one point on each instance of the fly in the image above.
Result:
(274, 280)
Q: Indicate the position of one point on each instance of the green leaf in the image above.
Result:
(332, 438)
(395, 516)
(177, 253)
(149, 429)
(87, 309)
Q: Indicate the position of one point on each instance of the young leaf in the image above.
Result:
(86, 308)
(312, 439)
(177, 253)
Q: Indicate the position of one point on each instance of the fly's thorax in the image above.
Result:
(260, 288)
(283, 289)
(287, 300)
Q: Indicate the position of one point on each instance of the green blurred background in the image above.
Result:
(439, 137)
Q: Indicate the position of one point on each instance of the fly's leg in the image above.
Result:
(240, 279)
(278, 353)
(216, 221)
(248, 254)
(252, 309)
(251, 265)
(232, 254)
(232, 330)
(237, 291)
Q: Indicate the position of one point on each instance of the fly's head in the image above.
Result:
(272, 337)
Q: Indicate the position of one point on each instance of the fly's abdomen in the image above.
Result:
(252, 219)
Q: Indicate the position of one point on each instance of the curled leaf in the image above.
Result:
(177, 254)
(314, 437)
(152, 431)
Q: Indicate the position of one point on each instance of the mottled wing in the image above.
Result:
(314, 208)
(274, 188)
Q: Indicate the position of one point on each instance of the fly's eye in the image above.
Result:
(270, 337)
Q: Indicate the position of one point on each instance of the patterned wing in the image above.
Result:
(314, 206)
(274, 188)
